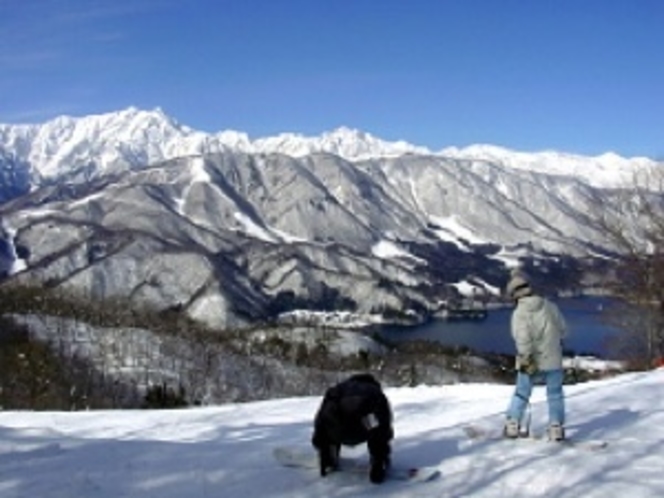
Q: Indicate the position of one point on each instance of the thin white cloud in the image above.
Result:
(41, 33)
(37, 114)
(25, 59)
(109, 37)
(92, 11)
(44, 107)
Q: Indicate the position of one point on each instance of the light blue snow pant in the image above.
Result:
(554, 395)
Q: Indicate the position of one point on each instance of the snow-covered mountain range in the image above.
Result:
(137, 137)
(231, 229)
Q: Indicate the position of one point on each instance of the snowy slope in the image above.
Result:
(608, 170)
(226, 451)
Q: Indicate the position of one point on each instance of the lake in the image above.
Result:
(588, 332)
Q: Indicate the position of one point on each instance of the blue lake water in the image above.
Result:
(589, 332)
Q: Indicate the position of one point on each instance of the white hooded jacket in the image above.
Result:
(538, 329)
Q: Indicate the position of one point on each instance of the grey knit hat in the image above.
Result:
(518, 286)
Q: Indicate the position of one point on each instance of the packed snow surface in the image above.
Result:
(227, 450)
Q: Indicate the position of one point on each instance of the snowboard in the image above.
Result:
(478, 433)
(306, 458)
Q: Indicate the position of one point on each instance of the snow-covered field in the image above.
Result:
(226, 451)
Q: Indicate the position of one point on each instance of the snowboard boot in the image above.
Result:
(379, 451)
(378, 470)
(511, 429)
(556, 432)
(328, 458)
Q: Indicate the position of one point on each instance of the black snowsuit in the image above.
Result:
(354, 411)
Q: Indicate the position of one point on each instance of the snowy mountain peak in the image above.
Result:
(349, 143)
(344, 134)
(606, 170)
(235, 140)
(134, 138)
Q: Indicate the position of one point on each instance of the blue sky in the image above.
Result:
(582, 76)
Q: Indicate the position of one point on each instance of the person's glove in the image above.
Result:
(527, 365)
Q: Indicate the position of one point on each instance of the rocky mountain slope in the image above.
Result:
(234, 231)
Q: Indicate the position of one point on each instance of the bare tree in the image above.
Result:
(631, 220)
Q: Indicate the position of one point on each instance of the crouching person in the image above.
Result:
(353, 412)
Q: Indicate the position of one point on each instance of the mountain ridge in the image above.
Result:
(136, 204)
(136, 136)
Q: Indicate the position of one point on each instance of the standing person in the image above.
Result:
(537, 329)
